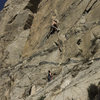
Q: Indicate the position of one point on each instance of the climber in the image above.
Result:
(49, 76)
(54, 28)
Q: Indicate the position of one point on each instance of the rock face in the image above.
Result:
(72, 55)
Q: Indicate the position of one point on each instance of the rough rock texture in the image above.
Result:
(72, 55)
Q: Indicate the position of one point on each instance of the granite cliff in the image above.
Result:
(26, 55)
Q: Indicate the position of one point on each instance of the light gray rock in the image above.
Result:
(26, 55)
(16, 47)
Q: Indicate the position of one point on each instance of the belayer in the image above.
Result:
(49, 76)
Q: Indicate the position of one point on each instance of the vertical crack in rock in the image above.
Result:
(90, 6)
(12, 19)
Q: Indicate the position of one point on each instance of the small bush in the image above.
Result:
(92, 91)
(42, 98)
